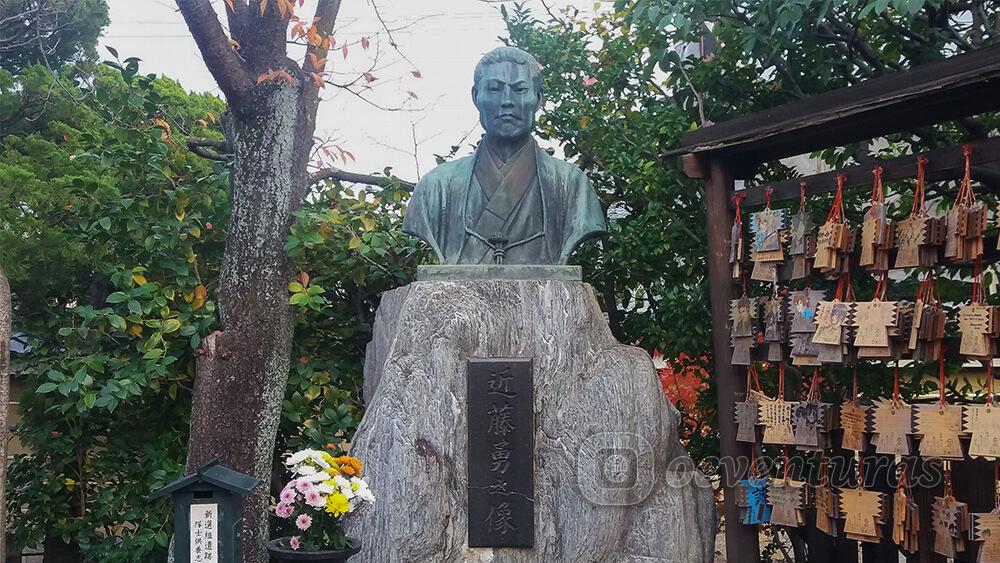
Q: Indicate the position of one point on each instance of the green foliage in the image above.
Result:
(53, 32)
(109, 229)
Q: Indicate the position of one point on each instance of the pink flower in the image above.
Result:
(303, 486)
(313, 498)
(293, 542)
(589, 81)
(303, 522)
(287, 496)
(283, 510)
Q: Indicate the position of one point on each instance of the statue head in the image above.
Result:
(507, 91)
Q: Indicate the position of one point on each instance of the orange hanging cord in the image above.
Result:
(919, 209)
(753, 379)
(895, 384)
(802, 196)
(989, 381)
(878, 194)
(768, 192)
(837, 210)
(781, 381)
(965, 195)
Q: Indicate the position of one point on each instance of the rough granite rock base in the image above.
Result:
(593, 395)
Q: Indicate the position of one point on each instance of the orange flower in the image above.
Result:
(349, 465)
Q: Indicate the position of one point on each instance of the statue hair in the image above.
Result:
(511, 55)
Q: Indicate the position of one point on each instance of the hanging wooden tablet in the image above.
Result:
(827, 509)
(787, 499)
(854, 423)
(985, 527)
(746, 418)
(905, 521)
(918, 237)
(751, 497)
(775, 325)
(742, 314)
(766, 252)
(803, 243)
(776, 417)
(978, 324)
(939, 426)
(874, 320)
(876, 235)
(863, 514)
(736, 250)
(802, 315)
(966, 221)
(893, 425)
(810, 424)
(830, 319)
(949, 520)
(983, 422)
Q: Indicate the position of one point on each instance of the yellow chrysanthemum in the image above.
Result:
(336, 504)
(333, 471)
(328, 458)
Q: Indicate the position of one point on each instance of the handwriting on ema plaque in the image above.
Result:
(501, 432)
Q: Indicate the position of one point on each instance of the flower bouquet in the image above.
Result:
(323, 489)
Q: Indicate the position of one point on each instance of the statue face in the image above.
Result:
(507, 101)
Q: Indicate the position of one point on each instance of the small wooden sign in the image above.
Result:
(746, 420)
(893, 421)
(863, 514)
(787, 499)
(985, 527)
(204, 532)
(751, 497)
(950, 521)
(827, 510)
(983, 422)
(939, 425)
(501, 452)
(854, 423)
(776, 417)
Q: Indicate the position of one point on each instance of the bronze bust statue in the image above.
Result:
(508, 202)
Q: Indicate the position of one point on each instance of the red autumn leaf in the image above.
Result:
(263, 7)
(282, 8)
(211, 116)
(364, 43)
(589, 81)
(318, 79)
(416, 74)
(304, 279)
(203, 122)
(344, 50)
(369, 77)
(412, 95)
(234, 44)
(230, 4)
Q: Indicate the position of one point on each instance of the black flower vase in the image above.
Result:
(281, 551)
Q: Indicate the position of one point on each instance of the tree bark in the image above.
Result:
(243, 370)
(6, 331)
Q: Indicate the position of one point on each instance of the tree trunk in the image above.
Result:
(243, 370)
(6, 331)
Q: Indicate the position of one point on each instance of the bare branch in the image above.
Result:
(355, 178)
(228, 69)
(212, 149)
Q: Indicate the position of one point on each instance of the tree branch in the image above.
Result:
(353, 177)
(226, 66)
(212, 149)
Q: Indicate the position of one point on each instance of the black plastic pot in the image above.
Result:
(280, 551)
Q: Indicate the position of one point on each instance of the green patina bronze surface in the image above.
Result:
(509, 202)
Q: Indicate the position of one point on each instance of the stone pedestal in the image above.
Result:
(597, 403)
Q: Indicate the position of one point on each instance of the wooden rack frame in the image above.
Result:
(951, 89)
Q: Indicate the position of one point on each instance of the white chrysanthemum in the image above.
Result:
(325, 489)
(299, 456)
(315, 477)
(345, 486)
(361, 489)
(317, 457)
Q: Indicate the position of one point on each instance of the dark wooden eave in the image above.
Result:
(962, 85)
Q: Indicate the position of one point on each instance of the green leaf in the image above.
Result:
(171, 325)
(118, 322)
(117, 297)
(134, 307)
(89, 399)
(46, 387)
(105, 223)
(354, 243)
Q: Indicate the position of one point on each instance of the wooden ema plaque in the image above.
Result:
(905, 521)
(893, 426)
(501, 434)
(854, 423)
(751, 497)
(940, 426)
(774, 326)
(810, 423)
(776, 417)
(985, 527)
(949, 519)
(827, 510)
(802, 325)
(742, 315)
(978, 325)
(766, 252)
(746, 419)
(787, 499)
(863, 514)
(983, 422)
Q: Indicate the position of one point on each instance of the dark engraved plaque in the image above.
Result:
(500, 396)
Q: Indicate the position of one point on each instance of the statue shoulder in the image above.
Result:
(441, 175)
(567, 172)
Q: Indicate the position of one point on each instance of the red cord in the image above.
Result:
(802, 196)
(918, 209)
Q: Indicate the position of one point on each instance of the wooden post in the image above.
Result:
(741, 541)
